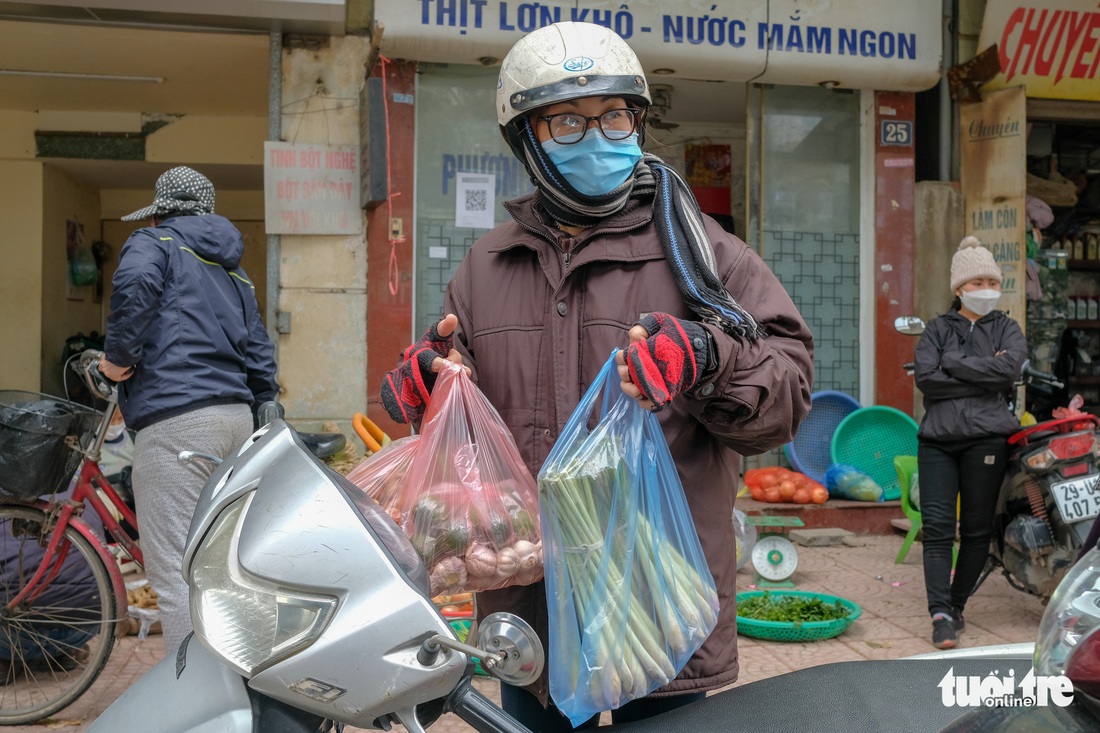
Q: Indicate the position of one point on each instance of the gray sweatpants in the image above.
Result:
(165, 494)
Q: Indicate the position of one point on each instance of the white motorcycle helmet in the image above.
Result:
(566, 61)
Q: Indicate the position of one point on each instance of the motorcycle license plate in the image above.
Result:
(1077, 500)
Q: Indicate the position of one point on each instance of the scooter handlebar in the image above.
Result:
(1034, 375)
(269, 411)
(480, 712)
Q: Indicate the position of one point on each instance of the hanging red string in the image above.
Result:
(393, 271)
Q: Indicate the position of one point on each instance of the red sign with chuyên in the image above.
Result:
(1051, 48)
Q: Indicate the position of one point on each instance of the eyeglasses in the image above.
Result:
(569, 127)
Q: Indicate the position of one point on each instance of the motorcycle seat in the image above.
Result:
(324, 445)
(873, 695)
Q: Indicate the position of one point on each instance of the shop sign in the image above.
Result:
(993, 166)
(266, 9)
(311, 189)
(1051, 47)
(847, 43)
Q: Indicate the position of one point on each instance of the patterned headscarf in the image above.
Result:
(180, 190)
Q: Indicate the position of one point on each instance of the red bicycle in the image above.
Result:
(61, 589)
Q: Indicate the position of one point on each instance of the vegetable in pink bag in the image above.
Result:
(461, 492)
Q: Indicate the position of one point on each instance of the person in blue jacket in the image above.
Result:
(966, 366)
(186, 343)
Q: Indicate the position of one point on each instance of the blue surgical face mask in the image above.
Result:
(595, 165)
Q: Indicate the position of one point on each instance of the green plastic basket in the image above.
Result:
(869, 438)
(793, 631)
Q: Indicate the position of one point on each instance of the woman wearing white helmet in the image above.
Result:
(611, 251)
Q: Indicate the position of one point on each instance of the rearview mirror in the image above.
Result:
(909, 325)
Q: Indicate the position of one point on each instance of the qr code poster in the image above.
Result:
(475, 200)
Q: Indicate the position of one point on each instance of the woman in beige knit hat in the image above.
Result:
(966, 365)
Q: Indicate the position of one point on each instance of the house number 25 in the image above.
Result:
(896, 132)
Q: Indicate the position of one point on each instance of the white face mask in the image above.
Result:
(981, 302)
(114, 431)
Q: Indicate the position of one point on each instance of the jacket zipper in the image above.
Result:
(568, 255)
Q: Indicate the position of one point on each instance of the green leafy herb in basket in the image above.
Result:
(790, 609)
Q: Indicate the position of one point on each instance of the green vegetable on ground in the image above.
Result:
(790, 609)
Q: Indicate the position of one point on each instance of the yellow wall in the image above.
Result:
(20, 281)
(66, 310)
(199, 139)
(17, 140)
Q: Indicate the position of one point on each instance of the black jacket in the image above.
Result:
(966, 385)
(184, 314)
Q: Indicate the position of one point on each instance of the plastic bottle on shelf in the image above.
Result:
(1094, 311)
(1078, 249)
(1090, 248)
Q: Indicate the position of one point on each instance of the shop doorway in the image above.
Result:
(1063, 166)
(804, 214)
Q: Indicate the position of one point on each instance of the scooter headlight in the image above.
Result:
(1069, 633)
(248, 621)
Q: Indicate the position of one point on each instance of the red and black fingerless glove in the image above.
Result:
(671, 360)
(405, 390)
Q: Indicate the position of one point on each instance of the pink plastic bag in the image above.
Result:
(461, 492)
(382, 477)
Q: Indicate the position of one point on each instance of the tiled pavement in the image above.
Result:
(894, 624)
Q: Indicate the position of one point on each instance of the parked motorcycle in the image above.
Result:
(311, 610)
(1050, 497)
(1048, 503)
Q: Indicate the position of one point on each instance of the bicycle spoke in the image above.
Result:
(58, 639)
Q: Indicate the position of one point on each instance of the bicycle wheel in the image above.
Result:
(52, 647)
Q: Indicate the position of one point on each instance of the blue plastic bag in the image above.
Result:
(629, 592)
(848, 482)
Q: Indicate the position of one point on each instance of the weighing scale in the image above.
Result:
(774, 557)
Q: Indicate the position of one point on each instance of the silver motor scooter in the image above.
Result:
(311, 609)
(310, 605)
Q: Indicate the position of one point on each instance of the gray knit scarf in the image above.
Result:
(677, 217)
